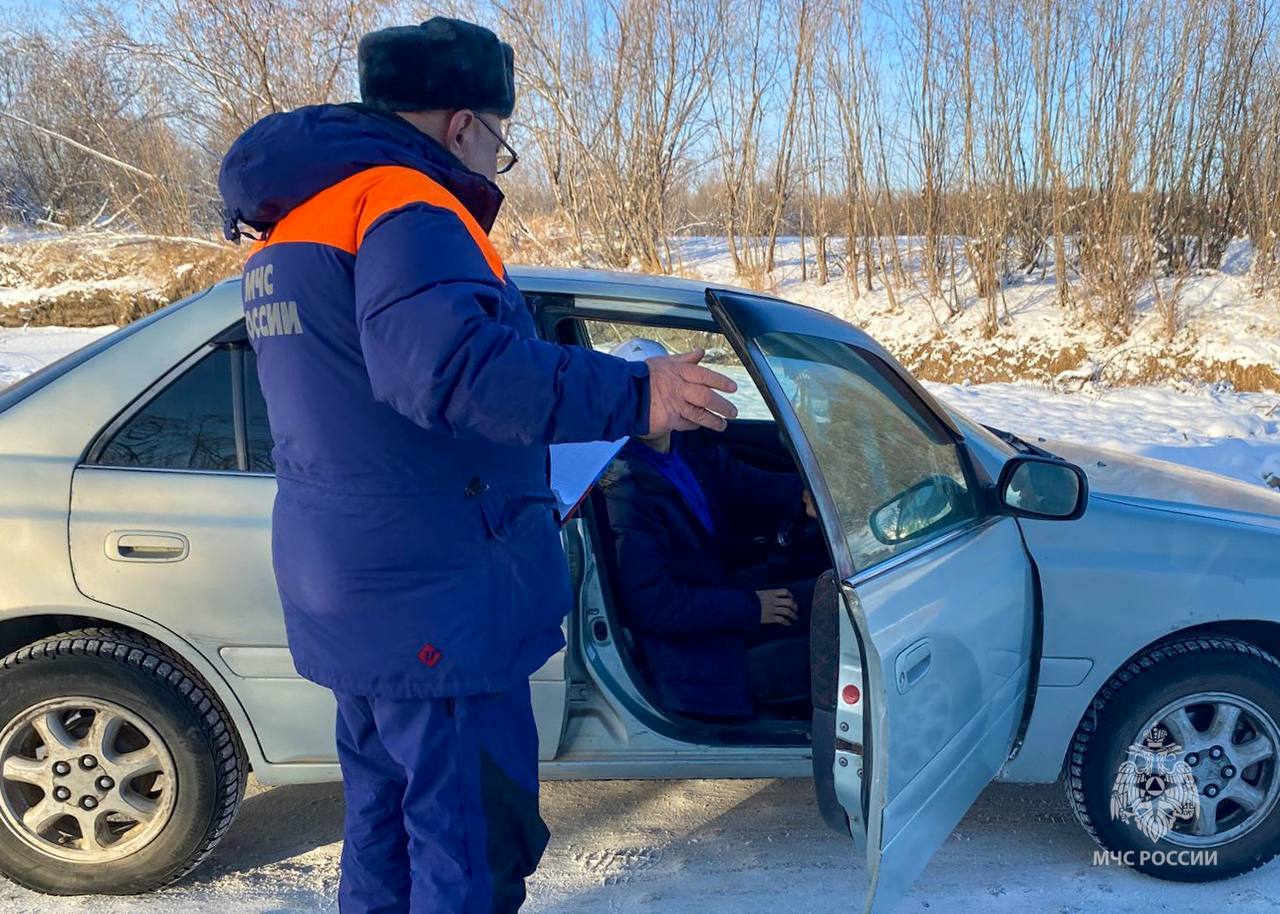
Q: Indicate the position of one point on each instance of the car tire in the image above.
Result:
(1186, 693)
(80, 710)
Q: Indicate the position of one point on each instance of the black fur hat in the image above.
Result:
(443, 63)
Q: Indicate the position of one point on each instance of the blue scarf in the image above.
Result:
(674, 469)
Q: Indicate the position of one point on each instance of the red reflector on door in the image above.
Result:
(850, 694)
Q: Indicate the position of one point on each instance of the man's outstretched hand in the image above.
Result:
(682, 395)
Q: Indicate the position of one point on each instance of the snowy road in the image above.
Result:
(712, 847)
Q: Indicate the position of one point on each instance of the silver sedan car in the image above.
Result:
(997, 609)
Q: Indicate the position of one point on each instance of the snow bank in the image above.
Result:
(1226, 331)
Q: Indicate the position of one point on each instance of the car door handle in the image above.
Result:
(912, 664)
(146, 546)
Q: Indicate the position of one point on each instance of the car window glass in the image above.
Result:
(257, 428)
(895, 476)
(604, 335)
(188, 426)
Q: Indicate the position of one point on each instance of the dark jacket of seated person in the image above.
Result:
(678, 522)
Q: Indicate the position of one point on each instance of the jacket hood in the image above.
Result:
(288, 157)
(1169, 486)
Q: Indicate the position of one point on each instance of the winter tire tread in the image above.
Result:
(169, 672)
(1134, 672)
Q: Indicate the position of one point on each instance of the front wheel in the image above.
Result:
(118, 770)
(1173, 770)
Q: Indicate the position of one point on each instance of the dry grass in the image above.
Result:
(88, 279)
(754, 276)
(950, 362)
(542, 239)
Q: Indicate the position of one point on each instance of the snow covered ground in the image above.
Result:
(1226, 326)
(24, 350)
(722, 847)
(710, 847)
(1227, 319)
(1203, 426)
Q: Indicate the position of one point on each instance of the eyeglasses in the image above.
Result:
(506, 160)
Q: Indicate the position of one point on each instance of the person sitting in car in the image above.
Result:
(716, 637)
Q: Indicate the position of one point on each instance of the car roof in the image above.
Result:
(614, 284)
(618, 285)
(593, 283)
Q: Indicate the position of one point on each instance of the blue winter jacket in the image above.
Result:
(413, 539)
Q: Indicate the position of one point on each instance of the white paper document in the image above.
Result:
(575, 469)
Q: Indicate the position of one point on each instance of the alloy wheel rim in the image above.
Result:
(1231, 747)
(85, 780)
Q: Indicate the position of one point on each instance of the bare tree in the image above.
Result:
(616, 104)
(228, 63)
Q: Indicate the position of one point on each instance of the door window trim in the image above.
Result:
(556, 315)
(235, 338)
(970, 527)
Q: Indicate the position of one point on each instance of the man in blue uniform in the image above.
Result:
(415, 549)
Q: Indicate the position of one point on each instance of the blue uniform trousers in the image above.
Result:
(441, 803)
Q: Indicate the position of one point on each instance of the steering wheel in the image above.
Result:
(798, 533)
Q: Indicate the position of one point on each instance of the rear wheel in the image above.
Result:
(119, 772)
(1175, 766)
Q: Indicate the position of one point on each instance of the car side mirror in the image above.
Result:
(1044, 488)
(921, 509)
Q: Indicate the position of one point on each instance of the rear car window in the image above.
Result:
(189, 425)
(211, 417)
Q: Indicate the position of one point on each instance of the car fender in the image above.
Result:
(92, 613)
(1119, 579)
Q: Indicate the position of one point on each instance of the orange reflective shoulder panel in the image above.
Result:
(326, 218)
(339, 216)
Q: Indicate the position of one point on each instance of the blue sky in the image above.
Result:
(53, 8)
(43, 5)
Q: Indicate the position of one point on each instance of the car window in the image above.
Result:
(895, 475)
(604, 335)
(191, 423)
(188, 426)
(257, 428)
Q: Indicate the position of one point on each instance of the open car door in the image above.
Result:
(937, 597)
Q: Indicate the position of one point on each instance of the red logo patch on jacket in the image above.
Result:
(430, 654)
